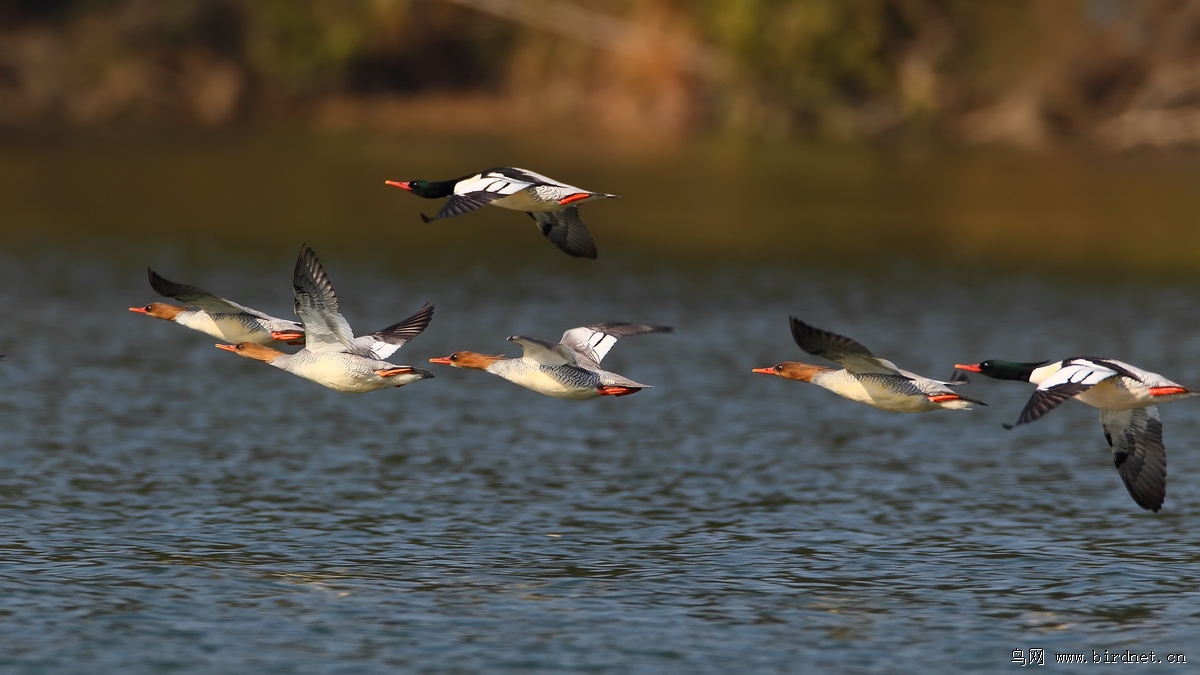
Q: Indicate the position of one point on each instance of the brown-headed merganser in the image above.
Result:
(568, 369)
(1126, 396)
(553, 205)
(332, 355)
(218, 317)
(864, 377)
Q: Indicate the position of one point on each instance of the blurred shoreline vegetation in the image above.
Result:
(1103, 74)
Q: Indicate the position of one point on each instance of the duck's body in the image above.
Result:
(332, 356)
(866, 378)
(344, 372)
(1107, 384)
(1126, 396)
(568, 369)
(216, 316)
(552, 204)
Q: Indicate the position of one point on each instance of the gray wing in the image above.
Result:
(317, 306)
(541, 352)
(591, 343)
(565, 230)
(383, 343)
(851, 355)
(1138, 453)
(197, 297)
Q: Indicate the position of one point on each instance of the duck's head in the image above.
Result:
(471, 360)
(254, 351)
(792, 370)
(159, 310)
(1003, 370)
(425, 188)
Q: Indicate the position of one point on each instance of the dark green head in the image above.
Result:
(428, 189)
(1003, 370)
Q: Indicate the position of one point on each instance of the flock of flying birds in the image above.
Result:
(333, 356)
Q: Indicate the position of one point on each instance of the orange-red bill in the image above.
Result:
(764, 371)
(974, 367)
(403, 185)
(574, 198)
(617, 391)
(228, 348)
(139, 310)
(444, 360)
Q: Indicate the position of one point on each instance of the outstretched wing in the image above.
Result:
(851, 355)
(541, 352)
(317, 306)
(1138, 453)
(197, 297)
(383, 343)
(591, 343)
(460, 204)
(1068, 382)
(565, 230)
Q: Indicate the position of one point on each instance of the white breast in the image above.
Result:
(872, 393)
(539, 381)
(224, 328)
(1111, 395)
(332, 373)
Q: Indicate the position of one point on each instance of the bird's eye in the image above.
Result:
(240, 347)
(147, 308)
(779, 369)
(454, 357)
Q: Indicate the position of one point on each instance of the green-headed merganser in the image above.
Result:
(332, 355)
(864, 377)
(218, 317)
(568, 369)
(1126, 396)
(553, 205)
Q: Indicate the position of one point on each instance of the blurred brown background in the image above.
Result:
(932, 126)
(1115, 74)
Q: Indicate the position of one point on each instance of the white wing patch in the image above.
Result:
(1082, 373)
(491, 182)
(592, 344)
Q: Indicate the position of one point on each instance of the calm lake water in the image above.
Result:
(168, 507)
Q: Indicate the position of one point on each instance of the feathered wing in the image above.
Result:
(517, 175)
(317, 306)
(1138, 453)
(476, 191)
(383, 343)
(854, 357)
(1068, 382)
(197, 297)
(565, 230)
(464, 203)
(541, 352)
(591, 343)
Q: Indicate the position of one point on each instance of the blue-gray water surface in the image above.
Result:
(168, 507)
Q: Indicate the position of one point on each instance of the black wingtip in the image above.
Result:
(407, 329)
(163, 286)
